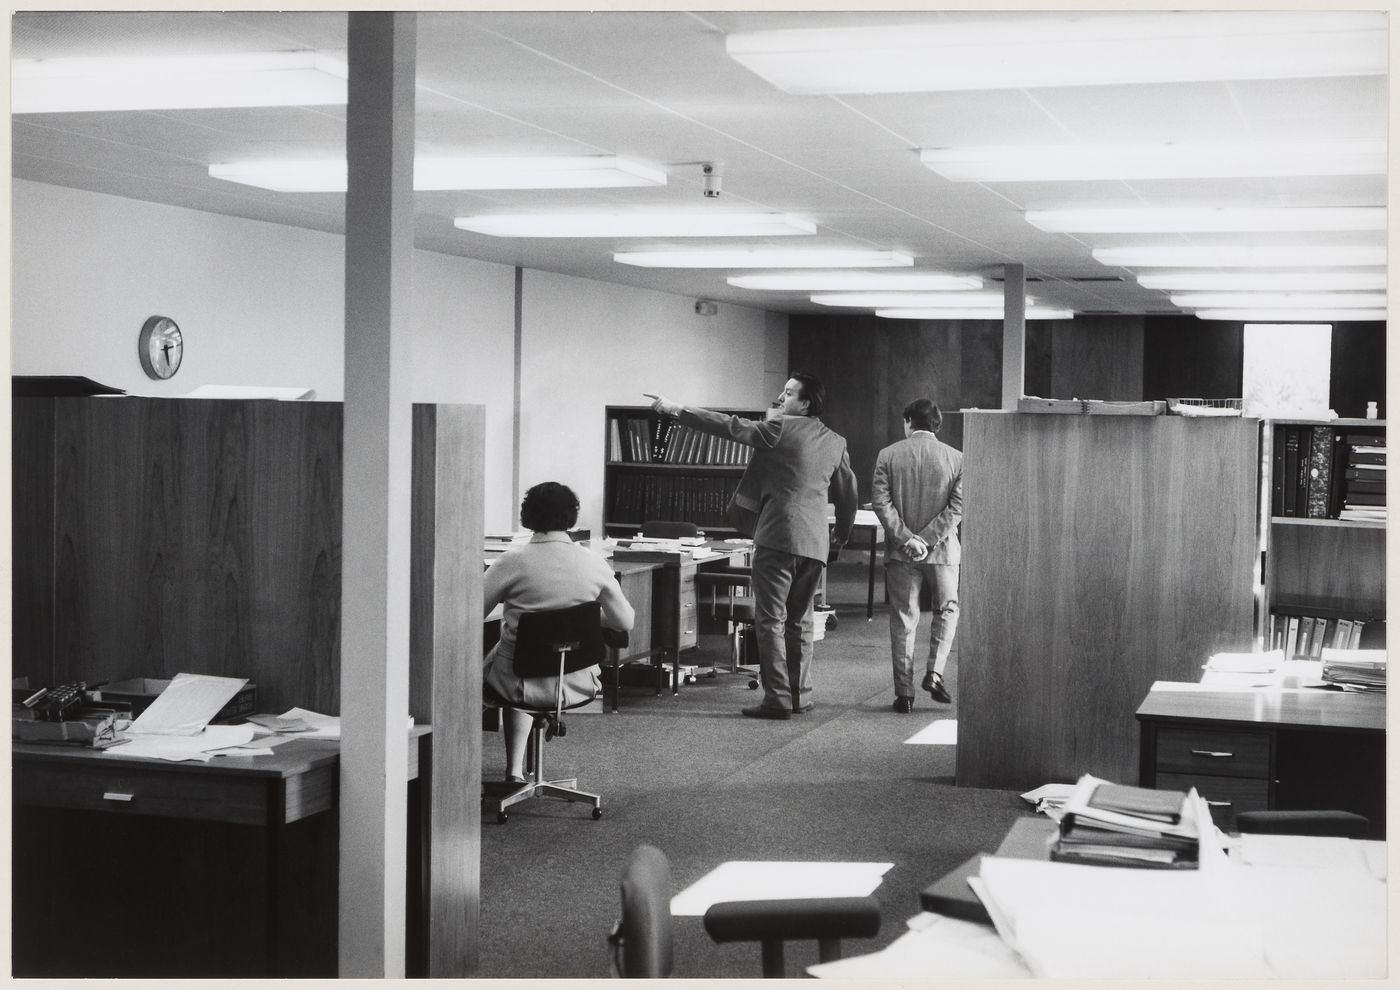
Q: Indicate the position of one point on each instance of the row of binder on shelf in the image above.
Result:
(647, 441)
(700, 499)
(1321, 472)
(1306, 636)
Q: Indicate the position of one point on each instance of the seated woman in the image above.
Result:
(549, 572)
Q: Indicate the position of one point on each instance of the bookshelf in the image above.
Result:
(658, 468)
(1323, 534)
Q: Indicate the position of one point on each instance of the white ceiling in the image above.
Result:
(658, 86)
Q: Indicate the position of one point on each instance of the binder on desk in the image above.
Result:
(1116, 825)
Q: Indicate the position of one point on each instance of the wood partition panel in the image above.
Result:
(445, 663)
(196, 536)
(1101, 553)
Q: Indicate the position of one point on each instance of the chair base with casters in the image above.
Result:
(547, 724)
(642, 941)
(549, 645)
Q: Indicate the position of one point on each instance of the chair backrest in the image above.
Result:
(665, 529)
(641, 942)
(539, 635)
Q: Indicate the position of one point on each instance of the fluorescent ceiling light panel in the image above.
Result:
(1080, 49)
(761, 258)
(856, 282)
(1239, 256)
(637, 225)
(437, 173)
(177, 82)
(1227, 220)
(976, 313)
(1291, 315)
(1264, 281)
(1279, 300)
(1070, 163)
(909, 300)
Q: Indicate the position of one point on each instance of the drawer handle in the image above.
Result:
(116, 796)
(1214, 754)
(1219, 804)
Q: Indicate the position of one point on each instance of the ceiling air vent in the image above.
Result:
(1096, 278)
(1029, 278)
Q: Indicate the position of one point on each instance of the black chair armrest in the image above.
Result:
(615, 638)
(793, 918)
(725, 577)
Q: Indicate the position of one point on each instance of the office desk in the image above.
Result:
(131, 867)
(1260, 748)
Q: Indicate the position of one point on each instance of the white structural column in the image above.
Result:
(1013, 336)
(374, 624)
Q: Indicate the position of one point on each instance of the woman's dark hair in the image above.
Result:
(812, 390)
(923, 414)
(549, 506)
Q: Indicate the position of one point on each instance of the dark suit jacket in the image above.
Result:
(797, 467)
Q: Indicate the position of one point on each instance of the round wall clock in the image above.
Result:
(161, 346)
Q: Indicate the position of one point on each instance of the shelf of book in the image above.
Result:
(1323, 487)
(659, 469)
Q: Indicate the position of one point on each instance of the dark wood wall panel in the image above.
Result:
(1101, 553)
(31, 534)
(1184, 357)
(1358, 368)
(201, 537)
(1096, 357)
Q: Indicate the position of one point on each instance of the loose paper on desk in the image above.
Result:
(934, 947)
(187, 705)
(757, 881)
(320, 726)
(200, 746)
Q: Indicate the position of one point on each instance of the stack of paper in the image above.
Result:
(1117, 825)
(1358, 669)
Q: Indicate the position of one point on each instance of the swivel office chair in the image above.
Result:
(721, 593)
(642, 940)
(549, 645)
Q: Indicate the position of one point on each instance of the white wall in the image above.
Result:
(593, 344)
(262, 304)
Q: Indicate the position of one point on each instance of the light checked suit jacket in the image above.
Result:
(917, 491)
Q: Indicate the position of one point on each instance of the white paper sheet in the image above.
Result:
(760, 881)
(934, 948)
(940, 732)
(320, 726)
(187, 704)
(199, 746)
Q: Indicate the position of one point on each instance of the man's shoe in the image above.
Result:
(904, 706)
(933, 684)
(763, 711)
(805, 708)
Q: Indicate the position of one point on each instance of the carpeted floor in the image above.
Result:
(693, 777)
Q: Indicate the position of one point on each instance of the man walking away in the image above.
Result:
(917, 495)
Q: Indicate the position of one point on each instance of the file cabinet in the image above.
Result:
(1285, 748)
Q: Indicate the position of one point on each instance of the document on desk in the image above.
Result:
(320, 726)
(935, 947)
(187, 705)
(757, 881)
(199, 746)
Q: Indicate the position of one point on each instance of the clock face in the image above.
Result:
(161, 347)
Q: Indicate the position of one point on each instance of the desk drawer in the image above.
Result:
(1216, 752)
(125, 790)
(687, 618)
(1226, 796)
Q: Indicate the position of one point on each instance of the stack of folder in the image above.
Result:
(1360, 670)
(1116, 825)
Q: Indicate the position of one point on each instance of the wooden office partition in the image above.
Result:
(168, 535)
(445, 655)
(1100, 553)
